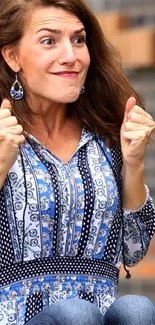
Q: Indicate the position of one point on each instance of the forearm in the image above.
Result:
(134, 191)
(3, 176)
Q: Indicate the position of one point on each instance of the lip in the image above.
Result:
(66, 74)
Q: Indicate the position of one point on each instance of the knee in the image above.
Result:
(77, 311)
(132, 309)
(134, 302)
(69, 312)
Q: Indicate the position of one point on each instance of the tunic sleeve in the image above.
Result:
(138, 225)
(139, 228)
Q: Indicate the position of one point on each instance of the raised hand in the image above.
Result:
(11, 136)
(136, 131)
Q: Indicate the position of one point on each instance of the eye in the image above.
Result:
(79, 40)
(48, 41)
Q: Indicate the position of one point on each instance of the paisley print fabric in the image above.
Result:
(61, 229)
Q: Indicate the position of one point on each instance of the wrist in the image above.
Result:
(140, 207)
(3, 175)
(133, 192)
(138, 168)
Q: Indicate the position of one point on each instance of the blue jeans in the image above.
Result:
(127, 310)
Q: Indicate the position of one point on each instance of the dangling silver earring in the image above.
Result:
(82, 90)
(17, 91)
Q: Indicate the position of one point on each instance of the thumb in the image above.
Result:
(6, 104)
(129, 104)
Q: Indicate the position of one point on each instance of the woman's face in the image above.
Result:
(53, 56)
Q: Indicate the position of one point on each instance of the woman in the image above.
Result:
(70, 213)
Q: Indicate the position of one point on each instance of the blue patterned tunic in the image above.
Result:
(62, 229)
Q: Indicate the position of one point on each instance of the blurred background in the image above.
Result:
(130, 26)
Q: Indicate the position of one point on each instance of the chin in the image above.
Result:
(72, 97)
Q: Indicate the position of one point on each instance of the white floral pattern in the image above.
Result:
(36, 235)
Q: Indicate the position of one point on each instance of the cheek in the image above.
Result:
(86, 59)
(30, 61)
(32, 69)
(27, 64)
(83, 57)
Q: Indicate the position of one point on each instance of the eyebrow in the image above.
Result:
(57, 31)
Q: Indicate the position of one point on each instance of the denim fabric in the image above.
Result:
(127, 310)
(69, 312)
(131, 310)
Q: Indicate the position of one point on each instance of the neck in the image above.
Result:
(50, 121)
(48, 117)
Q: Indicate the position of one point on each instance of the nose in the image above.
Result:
(67, 56)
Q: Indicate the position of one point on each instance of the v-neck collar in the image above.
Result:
(86, 136)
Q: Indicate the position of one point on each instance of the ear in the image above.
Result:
(9, 53)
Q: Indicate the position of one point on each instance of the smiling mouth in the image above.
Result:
(67, 74)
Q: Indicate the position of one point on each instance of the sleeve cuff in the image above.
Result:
(127, 211)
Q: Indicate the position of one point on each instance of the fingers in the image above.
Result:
(18, 129)
(134, 130)
(131, 126)
(137, 125)
(137, 135)
(5, 113)
(129, 105)
(137, 109)
(140, 119)
(137, 120)
(6, 104)
(138, 115)
(5, 109)
(19, 139)
(131, 108)
(8, 121)
(15, 139)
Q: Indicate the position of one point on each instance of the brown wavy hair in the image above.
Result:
(101, 108)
